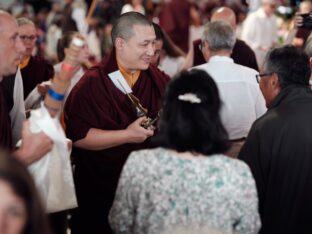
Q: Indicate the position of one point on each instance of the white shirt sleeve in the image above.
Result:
(17, 113)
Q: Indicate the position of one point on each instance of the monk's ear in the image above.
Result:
(119, 43)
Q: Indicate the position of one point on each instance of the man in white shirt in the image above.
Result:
(260, 29)
(242, 100)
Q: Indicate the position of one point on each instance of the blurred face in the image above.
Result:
(136, 53)
(158, 49)
(28, 36)
(269, 86)
(12, 211)
(84, 53)
(11, 46)
(269, 8)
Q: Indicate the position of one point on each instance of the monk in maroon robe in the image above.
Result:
(34, 145)
(101, 121)
(175, 20)
(5, 122)
(36, 71)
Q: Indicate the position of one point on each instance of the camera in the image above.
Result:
(306, 21)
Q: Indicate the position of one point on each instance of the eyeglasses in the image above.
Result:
(258, 76)
(28, 38)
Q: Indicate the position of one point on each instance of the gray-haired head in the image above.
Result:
(23, 20)
(290, 64)
(123, 27)
(219, 35)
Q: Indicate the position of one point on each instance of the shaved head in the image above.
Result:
(11, 46)
(4, 17)
(225, 14)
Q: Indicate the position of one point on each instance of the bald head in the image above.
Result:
(225, 14)
(4, 18)
(11, 46)
(305, 7)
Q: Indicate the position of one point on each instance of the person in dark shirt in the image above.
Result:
(34, 145)
(278, 148)
(34, 69)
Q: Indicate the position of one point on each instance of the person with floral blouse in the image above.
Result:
(187, 183)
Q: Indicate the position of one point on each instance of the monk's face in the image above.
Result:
(28, 35)
(158, 49)
(136, 53)
(11, 46)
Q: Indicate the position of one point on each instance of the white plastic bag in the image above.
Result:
(53, 172)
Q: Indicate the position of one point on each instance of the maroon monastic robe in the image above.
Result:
(175, 20)
(242, 54)
(95, 102)
(35, 72)
(5, 122)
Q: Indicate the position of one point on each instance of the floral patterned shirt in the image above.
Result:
(159, 191)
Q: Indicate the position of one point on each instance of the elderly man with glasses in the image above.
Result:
(242, 100)
(34, 69)
(278, 148)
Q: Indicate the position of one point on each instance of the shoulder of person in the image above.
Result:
(40, 59)
(158, 73)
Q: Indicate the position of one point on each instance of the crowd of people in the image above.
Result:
(160, 134)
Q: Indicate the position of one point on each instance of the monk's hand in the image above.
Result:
(137, 133)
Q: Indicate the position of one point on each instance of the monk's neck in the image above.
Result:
(125, 68)
(24, 62)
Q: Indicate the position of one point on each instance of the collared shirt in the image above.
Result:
(242, 100)
(131, 77)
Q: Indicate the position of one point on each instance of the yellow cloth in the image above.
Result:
(130, 77)
(24, 63)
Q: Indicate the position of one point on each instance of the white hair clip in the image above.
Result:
(189, 97)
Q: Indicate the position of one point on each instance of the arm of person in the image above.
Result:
(246, 201)
(98, 139)
(36, 145)
(122, 213)
(60, 83)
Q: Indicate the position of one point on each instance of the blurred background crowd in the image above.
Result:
(182, 20)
